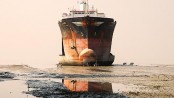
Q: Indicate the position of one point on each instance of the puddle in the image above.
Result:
(66, 88)
(51, 86)
(14, 89)
(86, 86)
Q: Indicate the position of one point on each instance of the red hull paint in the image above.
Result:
(87, 37)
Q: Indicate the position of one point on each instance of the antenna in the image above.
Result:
(87, 6)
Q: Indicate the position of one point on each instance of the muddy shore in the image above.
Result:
(101, 82)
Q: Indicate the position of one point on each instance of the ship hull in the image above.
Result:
(86, 41)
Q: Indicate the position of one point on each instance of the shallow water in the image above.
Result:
(67, 88)
(42, 86)
(14, 89)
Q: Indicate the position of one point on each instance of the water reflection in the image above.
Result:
(14, 89)
(86, 86)
(67, 88)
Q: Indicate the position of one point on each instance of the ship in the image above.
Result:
(86, 37)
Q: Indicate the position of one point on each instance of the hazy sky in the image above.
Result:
(29, 32)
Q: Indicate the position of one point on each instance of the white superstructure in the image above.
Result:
(83, 11)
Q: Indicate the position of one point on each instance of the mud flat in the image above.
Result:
(86, 82)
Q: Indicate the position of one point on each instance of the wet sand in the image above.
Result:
(86, 82)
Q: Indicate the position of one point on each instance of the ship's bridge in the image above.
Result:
(83, 11)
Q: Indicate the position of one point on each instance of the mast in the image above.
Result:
(86, 7)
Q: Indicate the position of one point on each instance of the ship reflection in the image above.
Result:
(86, 86)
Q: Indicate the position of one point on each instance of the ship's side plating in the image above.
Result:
(86, 40)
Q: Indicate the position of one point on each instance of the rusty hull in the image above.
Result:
(84, 34)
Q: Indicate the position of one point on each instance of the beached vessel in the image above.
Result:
(86, 37)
